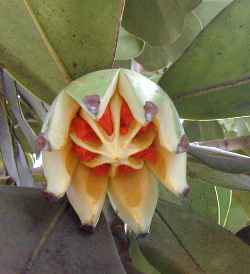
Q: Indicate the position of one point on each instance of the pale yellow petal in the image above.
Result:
(63, 111)
(170, 168)
(134, 198)
(169, 126)
(87, 194)
(58, 166)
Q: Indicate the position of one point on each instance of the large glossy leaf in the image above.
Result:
(129, 46)
(157, 57)
(139, 261)
(158, 22)
(211, 80)
(208, 9)
(203, 130)
(203, 200)
(200, 173)
(164, 251)
(208, 247)
(238, 216)
(220, 159)
(224, 198)
(38, 237)
(44, 44)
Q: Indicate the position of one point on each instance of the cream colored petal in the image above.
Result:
(87, 194)
(102, 83)
(96, 148)
(59, 119)
(134, 197)
(58, 166)
(169, 126)
(140, 143)
(170, 168)
(137, 89)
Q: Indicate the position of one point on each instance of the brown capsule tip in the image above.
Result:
(92, 103)
(150, 110)
(183, 144)
(87, 228)
(42, 144)
(186, 192)
(50, 197)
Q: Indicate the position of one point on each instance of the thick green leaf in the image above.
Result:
(203, 130)
(139, 261)
(224, 198)
(129, 46)
(200, 173)
(158, 22)
(208, 9)
(209, 247)
(38, 237)
(44, 44)
(164, 251)
(237, 217)
(211, 80)
(203, 200)
(220, 159)
(157, 57)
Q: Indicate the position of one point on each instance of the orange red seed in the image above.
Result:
(106, 121)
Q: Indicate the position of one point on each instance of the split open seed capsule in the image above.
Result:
(114, 132)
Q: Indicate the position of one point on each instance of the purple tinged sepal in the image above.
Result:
(42, 143)
(92, 103)
(87, 228)
(183, 144)
(50, 197)
(150, 111)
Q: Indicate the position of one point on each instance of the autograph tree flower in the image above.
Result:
(113, 132)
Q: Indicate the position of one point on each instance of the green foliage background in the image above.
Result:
(198, 51)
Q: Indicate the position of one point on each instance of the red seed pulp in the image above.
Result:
(126, 118)
(102, 170)
(83, 154)
(124, 170)
(145, 129)
(83, 130)
(149, 154)
(106, 121)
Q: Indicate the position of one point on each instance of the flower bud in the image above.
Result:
(113, 132)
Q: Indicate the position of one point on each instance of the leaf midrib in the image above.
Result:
(52, 52)
(213, 88)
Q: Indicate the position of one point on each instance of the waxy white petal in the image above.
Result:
(100, 83)
(59, 119)
(170, 168)
(169, 126)
(58, 166)
(137, 90)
